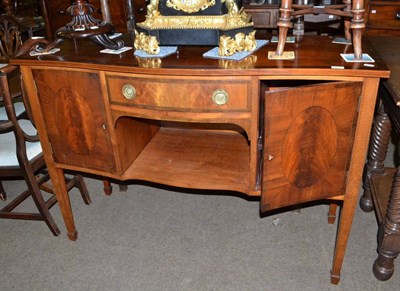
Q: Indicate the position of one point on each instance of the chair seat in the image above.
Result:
(31, 160)
(8, 156)
(18, 107)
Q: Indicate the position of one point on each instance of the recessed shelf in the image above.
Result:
(201, 159)
(381, 186)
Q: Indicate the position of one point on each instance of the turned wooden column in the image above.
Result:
(376, 156)
(130, 19)
(389, 234)
(352, 11)
(357, 26)
(7, 6)
(284, 24)
(347, 21)
(84, 25)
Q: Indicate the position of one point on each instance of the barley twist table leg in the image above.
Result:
(389, 234)
(377, 153)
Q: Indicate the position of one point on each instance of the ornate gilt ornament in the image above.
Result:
(152, 9)
(190, 6)
(224, 22)
(149, 62)
(246, 63)
(229, 46)
(147, 43)
(166, 25)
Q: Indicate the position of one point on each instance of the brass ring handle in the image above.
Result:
(129, 91)
(220, 97)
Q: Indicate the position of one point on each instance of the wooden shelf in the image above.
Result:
(201, 159)
(381, 186)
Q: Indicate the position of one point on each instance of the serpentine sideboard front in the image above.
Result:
(288, 131)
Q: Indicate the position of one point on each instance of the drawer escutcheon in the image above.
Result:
(220, 97)
(129, 91)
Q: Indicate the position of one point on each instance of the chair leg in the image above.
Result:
(39, 201)
(347, 21)
(3, 195)
(80, 184)
(284, 24)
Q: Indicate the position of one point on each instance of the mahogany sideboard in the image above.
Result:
(289, 132)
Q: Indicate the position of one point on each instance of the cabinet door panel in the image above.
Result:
(308, 138)
(74, 113)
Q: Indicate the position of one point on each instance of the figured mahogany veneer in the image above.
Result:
(176, 94)
(288, 131)
(319, 121)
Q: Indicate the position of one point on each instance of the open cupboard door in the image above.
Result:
(308, 138)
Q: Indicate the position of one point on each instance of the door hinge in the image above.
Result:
(51, 148)
(346, 178)
(34, 82)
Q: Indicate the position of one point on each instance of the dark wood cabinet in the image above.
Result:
(383, 17)
(265, 15)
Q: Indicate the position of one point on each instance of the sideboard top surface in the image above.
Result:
(315, 55)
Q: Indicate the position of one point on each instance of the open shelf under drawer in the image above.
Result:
(202, 159)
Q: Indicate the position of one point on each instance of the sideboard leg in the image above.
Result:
(345, 221)
(335, 278)
(332, 213)
(389, 234)
(351, 193)
(64, 203)
(378, 147)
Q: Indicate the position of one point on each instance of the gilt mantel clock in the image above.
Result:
(195, 22)
(190, 6)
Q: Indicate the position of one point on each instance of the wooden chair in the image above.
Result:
(20, 150)
(10, 44)
(351, 10)
(28, 14)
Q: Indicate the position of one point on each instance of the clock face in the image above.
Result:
(190, 6)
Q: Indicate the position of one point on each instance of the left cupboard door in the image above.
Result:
(75, 117)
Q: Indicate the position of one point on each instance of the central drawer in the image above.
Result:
(196, 94)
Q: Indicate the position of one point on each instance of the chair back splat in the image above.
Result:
(20, 150)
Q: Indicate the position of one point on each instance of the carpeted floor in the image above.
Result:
(150, 238)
